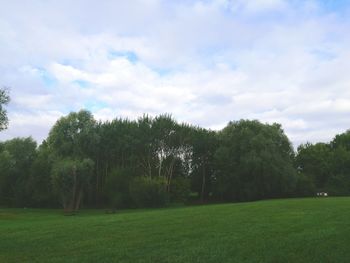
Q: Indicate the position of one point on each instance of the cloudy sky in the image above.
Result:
(205, 62)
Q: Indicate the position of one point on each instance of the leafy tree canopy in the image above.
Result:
(4, 100)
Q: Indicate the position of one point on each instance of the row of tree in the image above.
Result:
(156, 161)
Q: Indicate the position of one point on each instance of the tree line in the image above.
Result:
(157, 161)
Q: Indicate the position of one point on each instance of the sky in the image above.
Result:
(205, 62)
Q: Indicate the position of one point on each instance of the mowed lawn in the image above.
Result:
(290, 230)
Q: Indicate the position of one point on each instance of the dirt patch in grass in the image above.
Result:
(8, 216)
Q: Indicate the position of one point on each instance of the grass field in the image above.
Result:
(291, 230)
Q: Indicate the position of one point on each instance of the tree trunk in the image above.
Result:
(160, 167)
(72, 203)
(77, 204)
(149, 168)
(105, 175)
(97, 182)
(170, 175)
(64, 203)
(203, 183)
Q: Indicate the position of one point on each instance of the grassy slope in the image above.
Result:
(294, 230)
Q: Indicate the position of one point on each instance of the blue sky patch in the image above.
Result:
(129, 55)
(334, 5)
(47, 78)
(323, 54)
(81, 83)
(95, 105)
(77, 63)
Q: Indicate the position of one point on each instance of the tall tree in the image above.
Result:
(70, 178)
(314, 161)
(339, 181)
(16, 159)
(74, 136)
(42, 193)
(171, 146)
(72, 142)
(204, 144)
(254, 161)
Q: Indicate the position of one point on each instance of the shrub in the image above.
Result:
(117, 188)
(180, 189)
(148, 192)
(304, 186)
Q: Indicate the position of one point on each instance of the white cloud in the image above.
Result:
(24, 124)
(206, 62)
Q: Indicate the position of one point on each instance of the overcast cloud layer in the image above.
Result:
(205, 62)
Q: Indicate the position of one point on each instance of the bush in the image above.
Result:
(117, 188)
(304, 186)
(338, 185)
(180, 189)
(148, 192)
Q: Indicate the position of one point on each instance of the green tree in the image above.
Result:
(204, 144)
(326, 166)
(171, 147)
(72, 142)
(74, 135)
(70, 178)
(16, 159)
(4, 100)
(42, 193)
(118, 149)
(254, 161)
(314, 161)
(7, 165)
(339, 181)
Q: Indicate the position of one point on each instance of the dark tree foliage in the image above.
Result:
(39, 182)
(117, 192)
(339, 181)
(70, 178)
(314, 161)
(148, 192)
(74, 136)
(253, 161)
(154, 161)
(327, 165)
(4, 100)
(16, 158)
(204, 144)
(72, 142)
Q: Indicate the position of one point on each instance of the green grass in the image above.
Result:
(291, 230)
